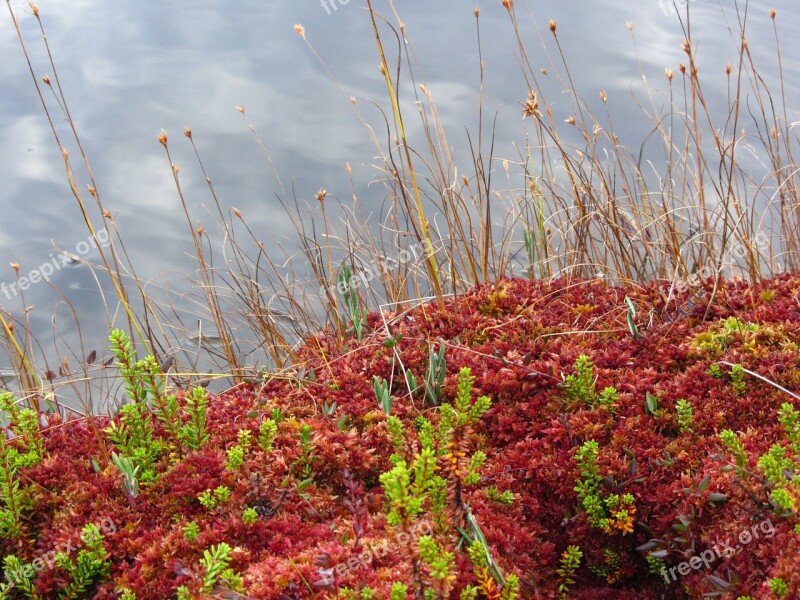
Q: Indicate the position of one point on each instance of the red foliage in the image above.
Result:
(520, 338)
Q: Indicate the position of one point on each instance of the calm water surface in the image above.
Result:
(130, 68)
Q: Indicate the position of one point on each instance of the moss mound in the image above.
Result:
(633, 449)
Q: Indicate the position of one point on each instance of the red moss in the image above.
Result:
(520, 338)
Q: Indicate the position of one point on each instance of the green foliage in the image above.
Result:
(411, 382)
(778, 587)
(685, 415)
(469, 593)
(789, 418)
(385, 400)
(580, 385)
(24, 424)
(399, 591)
(655, 564)
(396, 434)
(212, 499)
(249, 516)
(128, 471)
(191, 531)
(775, 465)
(237, 453)
(215, 562)
(475, 463)
(435, 374)
(506, 497)
(406, 500)
(304, 465)
(715, 371)
(25, 450)
(487, 584)
(732, 444)
(653, 407)
(440, 563)
(357, 314)
(718, 336)
(469, 413)
(127, 594)
(779, 469)
(12, 500)
(235, 458)
(612, 513)
(630, 319)
(133, 436)
(738, 379)
(608, 397)
(267, 432)
(193, 433)
(570, 561)
(90, 566)
(18, 575)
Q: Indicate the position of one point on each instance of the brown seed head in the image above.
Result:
(728, 69)
(321, 194)
(509, 4)
(629, 25)
(531, 106)
(552, 25)
(300, 30)
(35, 9)
(603, 96)
(200, 231)
(682, 68)
(348, 169)
(187, 131)
(162, 138)
(92, 191)
(687, 46)
(477, 12)
(107, 215)
(15, 266)
(239, 108)
(46, 79)
(668, 72)
(772, 13)
(237, 212)
(570, 120)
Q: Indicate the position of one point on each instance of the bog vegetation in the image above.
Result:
(620, 420)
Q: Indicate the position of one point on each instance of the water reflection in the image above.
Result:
(131, 68)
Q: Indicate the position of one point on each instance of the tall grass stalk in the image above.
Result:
(576, 202)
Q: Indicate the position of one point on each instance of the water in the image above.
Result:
(132, 68)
